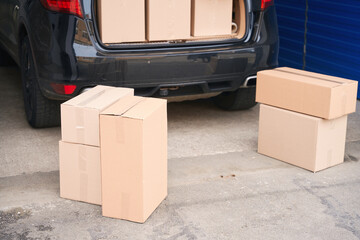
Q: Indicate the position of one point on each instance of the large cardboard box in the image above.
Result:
(80, 177)
(133, 158)
(121, 20)
(80, 115)
(168, 19)
(302, 140)
(305, 92)
(211, 17)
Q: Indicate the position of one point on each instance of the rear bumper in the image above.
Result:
(184, 70)
(193, 73)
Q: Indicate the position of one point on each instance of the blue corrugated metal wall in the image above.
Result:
(332, 36)
(291, 21)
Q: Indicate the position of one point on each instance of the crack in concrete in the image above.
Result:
(175, 229)
(342, 218)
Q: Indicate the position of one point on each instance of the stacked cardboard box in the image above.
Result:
(133, 157)
(303, 116)
(121, 20)
(211, 17)
(126, 21)
(79, 151)
(114, 152)
(168, 19)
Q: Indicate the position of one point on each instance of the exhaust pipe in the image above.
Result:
(249, 82)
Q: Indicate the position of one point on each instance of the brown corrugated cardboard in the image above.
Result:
(121, 20)
(211, 17)
(302, 140)
(80, 177)
(168, 19)
(305, 92)
(80, 115)
(133, 158)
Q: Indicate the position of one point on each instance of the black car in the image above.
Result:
(57, 45)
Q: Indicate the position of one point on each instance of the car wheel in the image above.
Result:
(5, 59)
(40, 111)
(241, 99)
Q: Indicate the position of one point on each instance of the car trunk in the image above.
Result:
(237, 24)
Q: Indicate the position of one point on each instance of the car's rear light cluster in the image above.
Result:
(63, 89)
(63, 6)
(266, 3)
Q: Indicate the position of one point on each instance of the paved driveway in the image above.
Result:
(219, 187)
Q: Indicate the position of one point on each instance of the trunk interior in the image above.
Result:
(138, 24)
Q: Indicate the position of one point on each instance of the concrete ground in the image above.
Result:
(219, 186)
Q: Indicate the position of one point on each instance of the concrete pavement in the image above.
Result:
(195, 128)
(219, 187)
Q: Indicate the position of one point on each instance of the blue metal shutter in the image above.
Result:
(332, 37)
(291, 21)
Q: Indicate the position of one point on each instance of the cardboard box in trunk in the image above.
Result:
(80, 115)
(302, 140)
(168, 19)
(80, 174)
(211, 17)
(121, 20)
(305, 92)
(133, 158)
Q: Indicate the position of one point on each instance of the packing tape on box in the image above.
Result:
(332, 125)
(82, 165)
(125, 204)
(80, 128)
(304, 75)
(82, 158)
(120, 131)
(91, 98)
(329, 157)
(83, 186)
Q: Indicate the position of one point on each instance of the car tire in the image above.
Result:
(40, 111)
(5, 59)
(241, 99)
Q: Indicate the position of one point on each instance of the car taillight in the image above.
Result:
(63, 6)
(266, 3)
(63, 89)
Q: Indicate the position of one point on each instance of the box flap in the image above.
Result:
(144, 108)
(100, 97)
(88, 95)
(316, 75)
(109, 97)
(121, 106)
(295, 77)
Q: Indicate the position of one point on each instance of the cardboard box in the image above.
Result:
(305, 92)
(168, 19)
(80, 115)
(211, 17)
(80, 177)
(133, 158)
(302, 140)
(121, 20)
